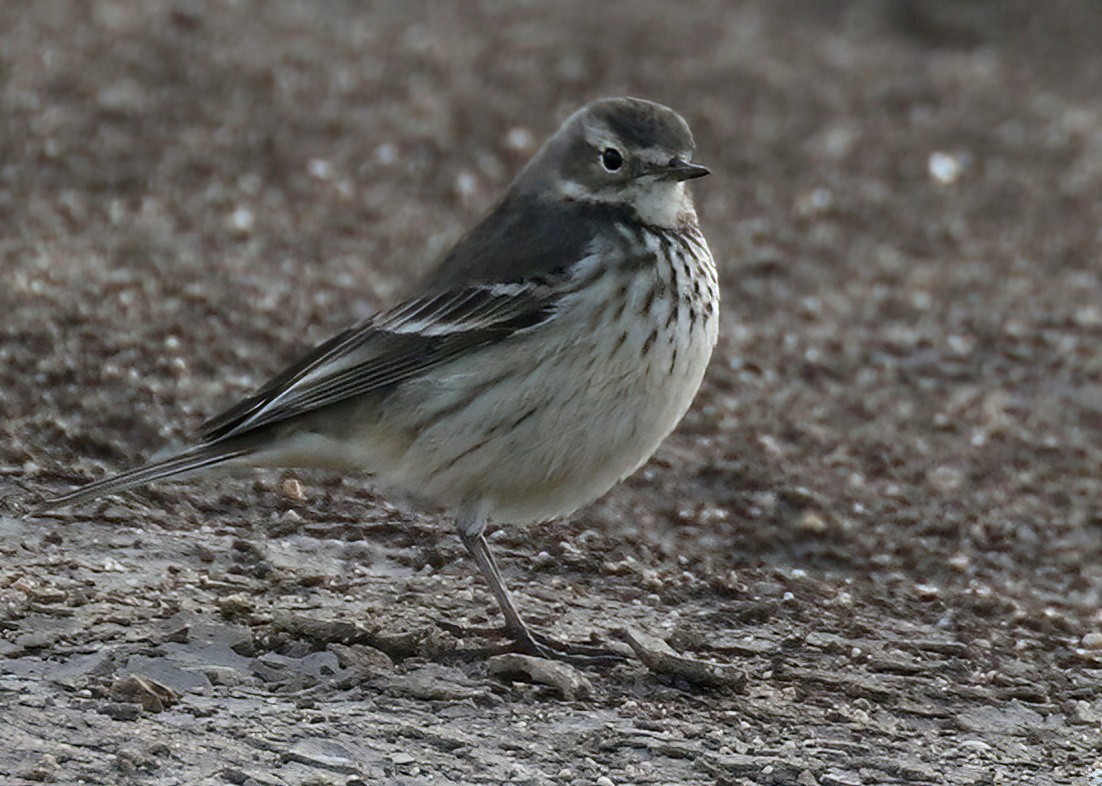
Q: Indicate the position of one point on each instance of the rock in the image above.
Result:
(236, 606)
(44, 771)
(223, 675)
(192, 656)
(396, 644)
(122, 711)
(1092, 641)
(433, 683)
(753, 767)
(660, 657)
(322, 631)
(307, 671)
(165, 672)
(741, 644)
(323, 753)
(206, 631)
(1083, 712)
(292, 489)
(151, 695)
(363, 658)
(78, 671)
(570, 682)
(1010, 718)
(320, 665)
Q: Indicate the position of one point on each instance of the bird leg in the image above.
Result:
(470, 525)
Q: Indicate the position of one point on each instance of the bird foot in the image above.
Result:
(529, 642)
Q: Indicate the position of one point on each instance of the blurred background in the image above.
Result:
(905, 206)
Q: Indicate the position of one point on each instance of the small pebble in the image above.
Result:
(520, 140)
(242, 220)
(945, 479)
(1092, 641)
(945, 168)
(812, 521)
(293, 489)
(466, 185)
(960, 561)
(927, 591)
(320, 168)
(236, 605)
(386, 153)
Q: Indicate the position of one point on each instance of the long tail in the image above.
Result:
(192, 460)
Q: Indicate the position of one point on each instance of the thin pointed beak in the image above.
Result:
(683, 170)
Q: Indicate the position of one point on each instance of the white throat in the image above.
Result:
(661, 204)
(657, 203)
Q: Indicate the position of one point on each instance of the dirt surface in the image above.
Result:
(883, 510)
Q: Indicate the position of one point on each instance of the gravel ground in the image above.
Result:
(881, 516)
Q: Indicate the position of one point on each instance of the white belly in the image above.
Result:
(572, 416)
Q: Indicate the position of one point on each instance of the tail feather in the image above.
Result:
(189, 461)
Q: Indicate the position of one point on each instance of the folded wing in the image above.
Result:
(390, 348)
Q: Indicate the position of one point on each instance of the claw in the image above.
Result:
(529, 642)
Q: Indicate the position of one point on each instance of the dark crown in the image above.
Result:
(640, 123)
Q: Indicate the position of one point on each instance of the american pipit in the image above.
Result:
(544, 360)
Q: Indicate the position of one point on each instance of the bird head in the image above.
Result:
(622, 152)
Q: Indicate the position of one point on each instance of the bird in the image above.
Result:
(542, 361)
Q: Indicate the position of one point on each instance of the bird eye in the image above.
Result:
(611, 159)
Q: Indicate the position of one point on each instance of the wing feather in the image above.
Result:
(388, 349)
